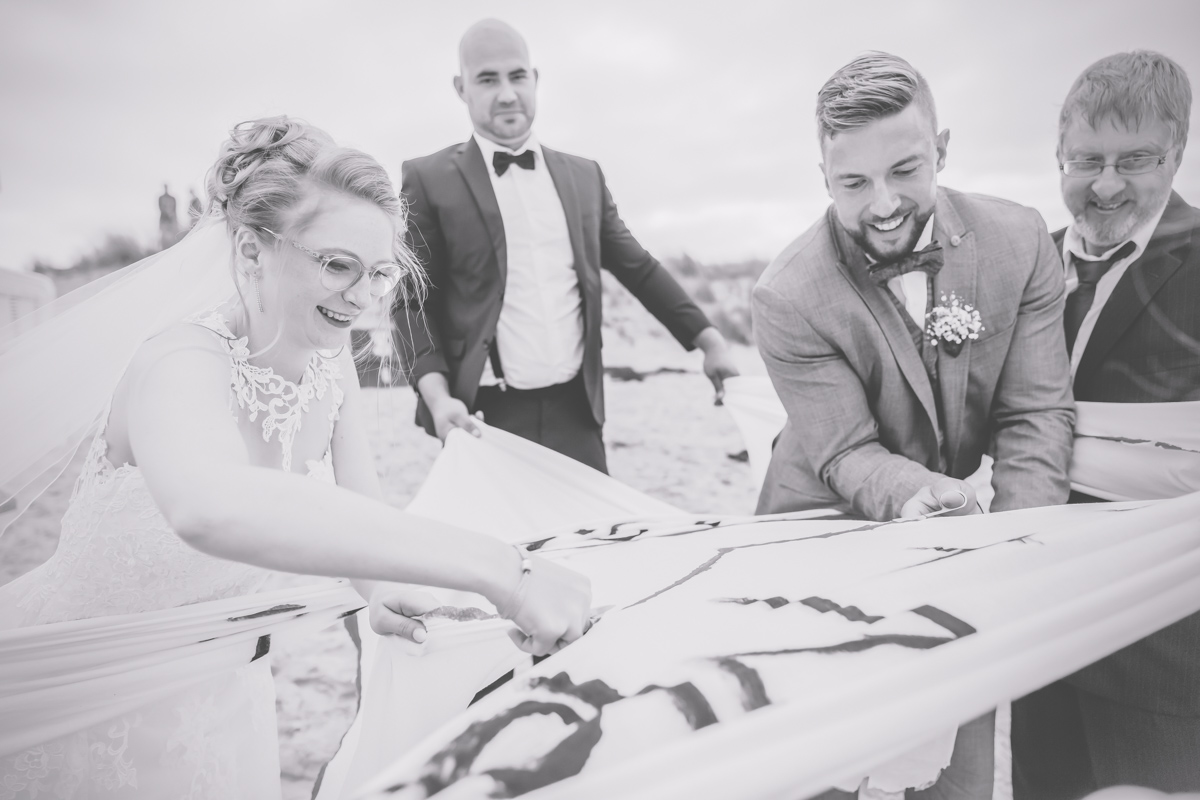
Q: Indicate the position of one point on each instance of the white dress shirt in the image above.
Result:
(1073, 246)
(911, 288)
(540, 331)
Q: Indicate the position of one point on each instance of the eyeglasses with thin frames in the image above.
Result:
(339, 273)
(1090, 168)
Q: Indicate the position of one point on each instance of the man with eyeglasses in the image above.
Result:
(1132, 318)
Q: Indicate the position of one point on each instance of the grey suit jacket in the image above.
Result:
(863, 431)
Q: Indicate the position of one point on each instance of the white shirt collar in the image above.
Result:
(926, 235)
(1073, 241)
(489, 148)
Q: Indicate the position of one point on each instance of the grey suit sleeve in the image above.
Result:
(644, 276)
(825, 401)
(1032, 412)
(417, 327)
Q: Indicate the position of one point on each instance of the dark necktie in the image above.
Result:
(502, 160)
(928, 259)
(1080, 300)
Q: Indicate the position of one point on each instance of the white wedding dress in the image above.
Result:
(118, 555)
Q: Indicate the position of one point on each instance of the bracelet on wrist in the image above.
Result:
(516, 600)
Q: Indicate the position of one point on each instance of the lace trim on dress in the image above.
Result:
(259, 390)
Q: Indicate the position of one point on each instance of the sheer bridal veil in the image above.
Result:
(60, 365)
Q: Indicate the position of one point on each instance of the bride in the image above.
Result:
(233, 445)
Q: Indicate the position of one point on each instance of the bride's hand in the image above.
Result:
(948, 496)
(550, 606)
(392, 609)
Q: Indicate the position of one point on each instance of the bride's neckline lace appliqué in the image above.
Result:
(258, 390)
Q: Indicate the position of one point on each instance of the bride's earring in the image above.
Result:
(257, 296)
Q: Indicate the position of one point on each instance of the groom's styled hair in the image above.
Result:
(873, 86)
(1129, 88)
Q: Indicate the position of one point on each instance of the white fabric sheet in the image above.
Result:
(917, 628)
(510, 488)
(512, 477)
(1136, 451)
(62, 677)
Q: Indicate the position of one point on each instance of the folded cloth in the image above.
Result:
(1136, 451)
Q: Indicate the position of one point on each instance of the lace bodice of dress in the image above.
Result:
(258, 390)
(118, 555)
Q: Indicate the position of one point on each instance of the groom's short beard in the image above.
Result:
(861, 237)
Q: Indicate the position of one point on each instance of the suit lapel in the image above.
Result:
(470, 163)
(958, 275)
(853, 264)
(1137, 287)
(568, 195)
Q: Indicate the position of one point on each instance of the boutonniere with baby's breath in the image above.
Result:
(952, 323)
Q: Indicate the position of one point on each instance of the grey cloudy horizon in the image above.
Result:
(700, 113)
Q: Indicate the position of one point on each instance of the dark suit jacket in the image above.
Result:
(1146, 344)
(1146, 349)
(456, 230)
(863, 432)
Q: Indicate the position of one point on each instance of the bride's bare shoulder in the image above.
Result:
(182, 342)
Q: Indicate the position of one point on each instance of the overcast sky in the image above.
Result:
(700, 113)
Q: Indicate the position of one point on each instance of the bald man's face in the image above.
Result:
(499, 88)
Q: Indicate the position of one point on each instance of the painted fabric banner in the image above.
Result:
(62, 677)
(772, 656)
(516, 488)
(510, 488)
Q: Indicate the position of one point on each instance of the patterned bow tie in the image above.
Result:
(502, 160)
(929, 260)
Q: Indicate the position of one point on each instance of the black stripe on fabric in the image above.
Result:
(754, 693)
(690, 701)
(852, 613)
(946, 620)
(279, 609)
(858, 645)
(263, 647)
(491, 687)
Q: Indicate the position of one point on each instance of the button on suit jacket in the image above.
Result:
(865, 430)
(457, 232)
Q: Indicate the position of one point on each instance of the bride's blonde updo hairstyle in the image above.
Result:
(263, 172)
(267, 165)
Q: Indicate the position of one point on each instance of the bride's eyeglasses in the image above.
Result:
(339, 273)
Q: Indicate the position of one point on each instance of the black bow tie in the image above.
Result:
(929, 260)
(501, 161)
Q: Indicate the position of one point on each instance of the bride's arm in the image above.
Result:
(197, 469)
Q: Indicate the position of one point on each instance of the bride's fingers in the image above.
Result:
(574, 631)
(535, 644)
(412, 603)
(525, 643)
(543, 643)
(388, 622)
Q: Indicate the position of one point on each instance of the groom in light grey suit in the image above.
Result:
(878, 408)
